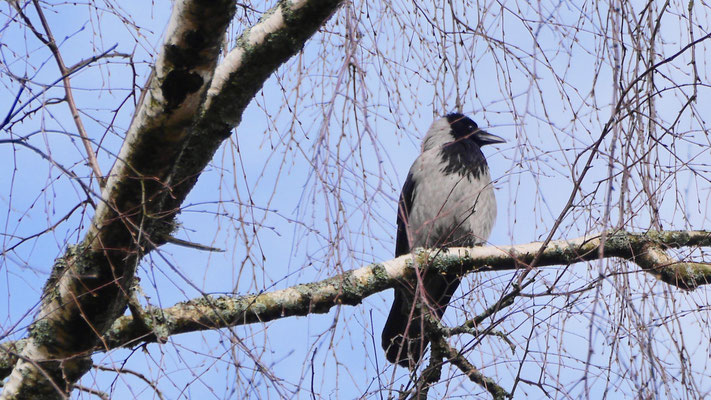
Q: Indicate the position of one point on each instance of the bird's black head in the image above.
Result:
(464, 128)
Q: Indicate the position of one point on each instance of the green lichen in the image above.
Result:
(675, 238)
(380, 274)
(206, 300)
(621, 243)
(686, 275)
(58, 269)
(243, 42)
(43, 333)
(255, 305)
(83, 262)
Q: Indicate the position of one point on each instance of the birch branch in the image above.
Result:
(351, 287)
(175, 132)
(86, 291)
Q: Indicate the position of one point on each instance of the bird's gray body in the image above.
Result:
(452, 209)
(447, 201)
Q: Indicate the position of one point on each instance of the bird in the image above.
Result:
(447, 200)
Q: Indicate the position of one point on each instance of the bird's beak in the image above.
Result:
(485, 137)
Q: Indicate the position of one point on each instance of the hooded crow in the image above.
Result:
(447, 201)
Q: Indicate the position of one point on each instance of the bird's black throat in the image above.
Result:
(464, 158)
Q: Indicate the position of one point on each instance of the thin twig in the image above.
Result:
(441, 349)
(134, 373)
(69, 96)
(101, 394)
(459, 361)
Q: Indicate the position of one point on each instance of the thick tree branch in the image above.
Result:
(87, 288)
(174, 134)
(353, 286)
(260, 50)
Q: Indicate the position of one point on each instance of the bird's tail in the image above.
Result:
(402, 337)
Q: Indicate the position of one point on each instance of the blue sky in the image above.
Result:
(323, 169)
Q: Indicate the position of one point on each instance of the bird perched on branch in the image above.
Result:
(447, 201)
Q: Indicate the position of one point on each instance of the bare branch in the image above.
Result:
(613, 120)
(134, 373)
(68, 93)
(457, 359)
(353, 286)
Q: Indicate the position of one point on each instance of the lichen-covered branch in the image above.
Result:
(353, 286)
(174, 133)
(441, 349)
(86, 290)
(474, 375)
(260, 50)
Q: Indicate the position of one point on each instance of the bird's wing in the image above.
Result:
(407, 196)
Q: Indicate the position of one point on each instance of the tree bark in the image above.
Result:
(204, 313)
(189, 106)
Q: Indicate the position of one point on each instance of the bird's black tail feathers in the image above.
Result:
(402, 337)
